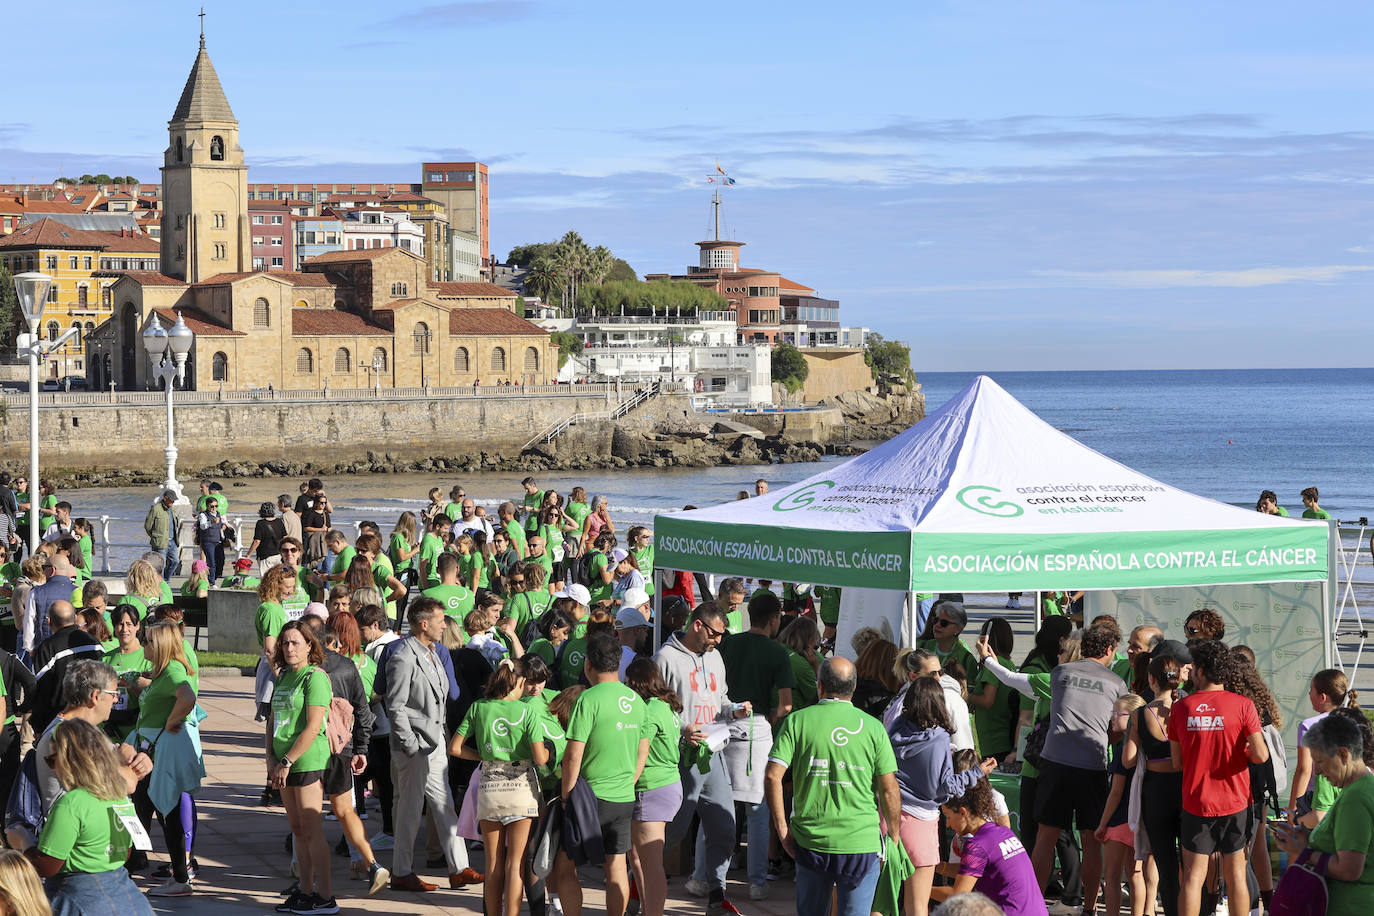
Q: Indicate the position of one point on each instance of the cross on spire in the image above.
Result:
(202, 26)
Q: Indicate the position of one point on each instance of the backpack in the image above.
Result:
(1301, 890)
(1277, 757)
(1035, 742)
(338, 727)
(580, 570)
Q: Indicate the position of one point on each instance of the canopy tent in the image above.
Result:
(983, 495)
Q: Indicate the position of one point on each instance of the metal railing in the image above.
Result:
(20, 401)
(554, 430)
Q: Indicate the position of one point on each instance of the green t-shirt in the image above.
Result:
(1324, 795)
(601, 591)
(343, 560)
(367, 670)
(136, 601)
(574, 653)
(1039, 674)
(1316, 513)
(521, 607)
(431, 545)
(397, 544)
(23, 519)
(268, 621)
(608, 719)
(158, 699)
(578, 512)
(755, 666)
(829, 596)
(84, 542)
(469, 563)
(241, 583)
(664, 731)
(548, 729)
(1121, 667)
(804, 692)
(531, 504)
(959, 652)
(1349, 825)
(996, 737)
(456, 599)
(517, 536)
(217, 497)
(294, 691)
(644, 556)
(500, 729)
(381, 572)
(124, 713)
(544, 649)
(86, 833)
(188, 590)
(545, 560)
(840, 752)
(1281, 511)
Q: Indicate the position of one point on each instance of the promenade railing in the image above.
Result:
(20, 401)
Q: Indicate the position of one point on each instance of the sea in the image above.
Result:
(1225, 434)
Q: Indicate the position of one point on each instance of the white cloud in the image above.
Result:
(1169, 279)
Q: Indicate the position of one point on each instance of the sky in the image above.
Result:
(1049, 185)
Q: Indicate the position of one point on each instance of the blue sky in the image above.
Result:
(1053, 185)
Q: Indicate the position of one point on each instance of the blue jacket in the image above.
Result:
(582, 826)
(925, 767)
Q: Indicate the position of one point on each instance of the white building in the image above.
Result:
(376, 227)
(467, 256)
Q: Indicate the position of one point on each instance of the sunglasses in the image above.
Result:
(290, 550)
(942, 622)
(517, 581)
(1192, 631)
(718, 634)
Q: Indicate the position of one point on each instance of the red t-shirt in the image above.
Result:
(1212, 729)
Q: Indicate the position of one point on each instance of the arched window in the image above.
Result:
(53, 330)
(379, 359)
(343, 360)
(181, 150)
(219, 367)
(90, 326)
(106, 296)
(81, 293)
(262, 314)
(305, 361)
(460, 359)
(421, 338)
(498, 360)
(217, 148)
(531, 359)
(76, 339)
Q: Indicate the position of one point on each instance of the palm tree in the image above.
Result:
(543, 279)
(599, 263)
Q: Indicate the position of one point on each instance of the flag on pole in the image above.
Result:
(719, 169)
(728, 180)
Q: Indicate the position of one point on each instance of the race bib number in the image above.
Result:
(128, 818)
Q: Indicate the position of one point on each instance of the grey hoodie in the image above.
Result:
(698, 681)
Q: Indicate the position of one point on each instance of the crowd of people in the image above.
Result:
(494, 684)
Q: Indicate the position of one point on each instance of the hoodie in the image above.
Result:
(925, 768)
(698, 680)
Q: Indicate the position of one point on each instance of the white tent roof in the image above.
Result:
(984, 495)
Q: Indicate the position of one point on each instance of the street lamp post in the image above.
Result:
(167, 350)
(32, 289)
(376, 368)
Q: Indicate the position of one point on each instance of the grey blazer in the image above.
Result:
(416, 690)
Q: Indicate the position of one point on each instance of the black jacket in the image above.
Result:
(347, 684)
(50, 662)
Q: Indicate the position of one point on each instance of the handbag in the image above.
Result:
(1301, 890)
(1035, 742)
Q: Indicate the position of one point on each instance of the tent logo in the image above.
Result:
(981, 499)
(800, 499)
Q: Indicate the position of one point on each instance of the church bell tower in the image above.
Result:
(205, 228)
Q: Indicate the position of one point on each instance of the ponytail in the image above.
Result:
(1333, 684)
(502, 681)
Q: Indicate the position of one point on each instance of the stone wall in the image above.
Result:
(114, 436)
(832, 371)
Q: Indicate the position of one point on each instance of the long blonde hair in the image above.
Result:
(143, 580)
(84, 759)
(405, 527)
(164, 646)
(20, 890)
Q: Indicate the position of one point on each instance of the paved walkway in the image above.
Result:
(240, 845)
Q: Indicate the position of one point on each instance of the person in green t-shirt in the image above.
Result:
(86, 837)
(297, 751)
(577, 508)
(607, 747)
(431, 545)
(1312, 510)
(602, 569)
(658, 791)
(531, 504)
(502, 732)
(641, 547)
(456, 597)
(843, 772)
(947, 621)
(505, 513)
(996, 707)
(802, 640)
(404, 543)
(129, 661)
(1268, 504)
(731, 597)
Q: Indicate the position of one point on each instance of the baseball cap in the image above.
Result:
(629, 617)
(634, 597)
(618, 554)
(1172, 648)
(316, 609)
(200, 566)
(243, 563)
(577, 592)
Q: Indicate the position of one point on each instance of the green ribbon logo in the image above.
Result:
(981, 499)
(800, 499)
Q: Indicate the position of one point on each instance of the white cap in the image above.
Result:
(629, 617)
(618, 554)
(577, 592)
(634, 597)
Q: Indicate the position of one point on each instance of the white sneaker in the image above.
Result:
(758, 891)
(172, 888)
(697, 888)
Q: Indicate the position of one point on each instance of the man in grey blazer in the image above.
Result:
(416, 690)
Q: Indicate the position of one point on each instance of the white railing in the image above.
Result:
(554, 430)
(154, 398)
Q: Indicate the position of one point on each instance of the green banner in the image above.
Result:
(1129, 559)
(863, 559)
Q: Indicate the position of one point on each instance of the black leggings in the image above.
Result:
(177, 836)
(379, 772)
(1161, 805)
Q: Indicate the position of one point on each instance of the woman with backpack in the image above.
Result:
(1265, 778)
(297, 751)
(144, 588)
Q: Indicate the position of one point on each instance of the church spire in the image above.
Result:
(203, 98)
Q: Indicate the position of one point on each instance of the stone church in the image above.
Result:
(347, 320)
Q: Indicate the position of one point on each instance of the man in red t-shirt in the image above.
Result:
(1214, 736)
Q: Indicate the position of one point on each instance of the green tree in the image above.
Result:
(9, 306)
(887, 358)
(622, 271)
(544, 280)
(568, 344)
(789, 367)
(659, 296)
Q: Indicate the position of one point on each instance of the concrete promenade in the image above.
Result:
(244, 866)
